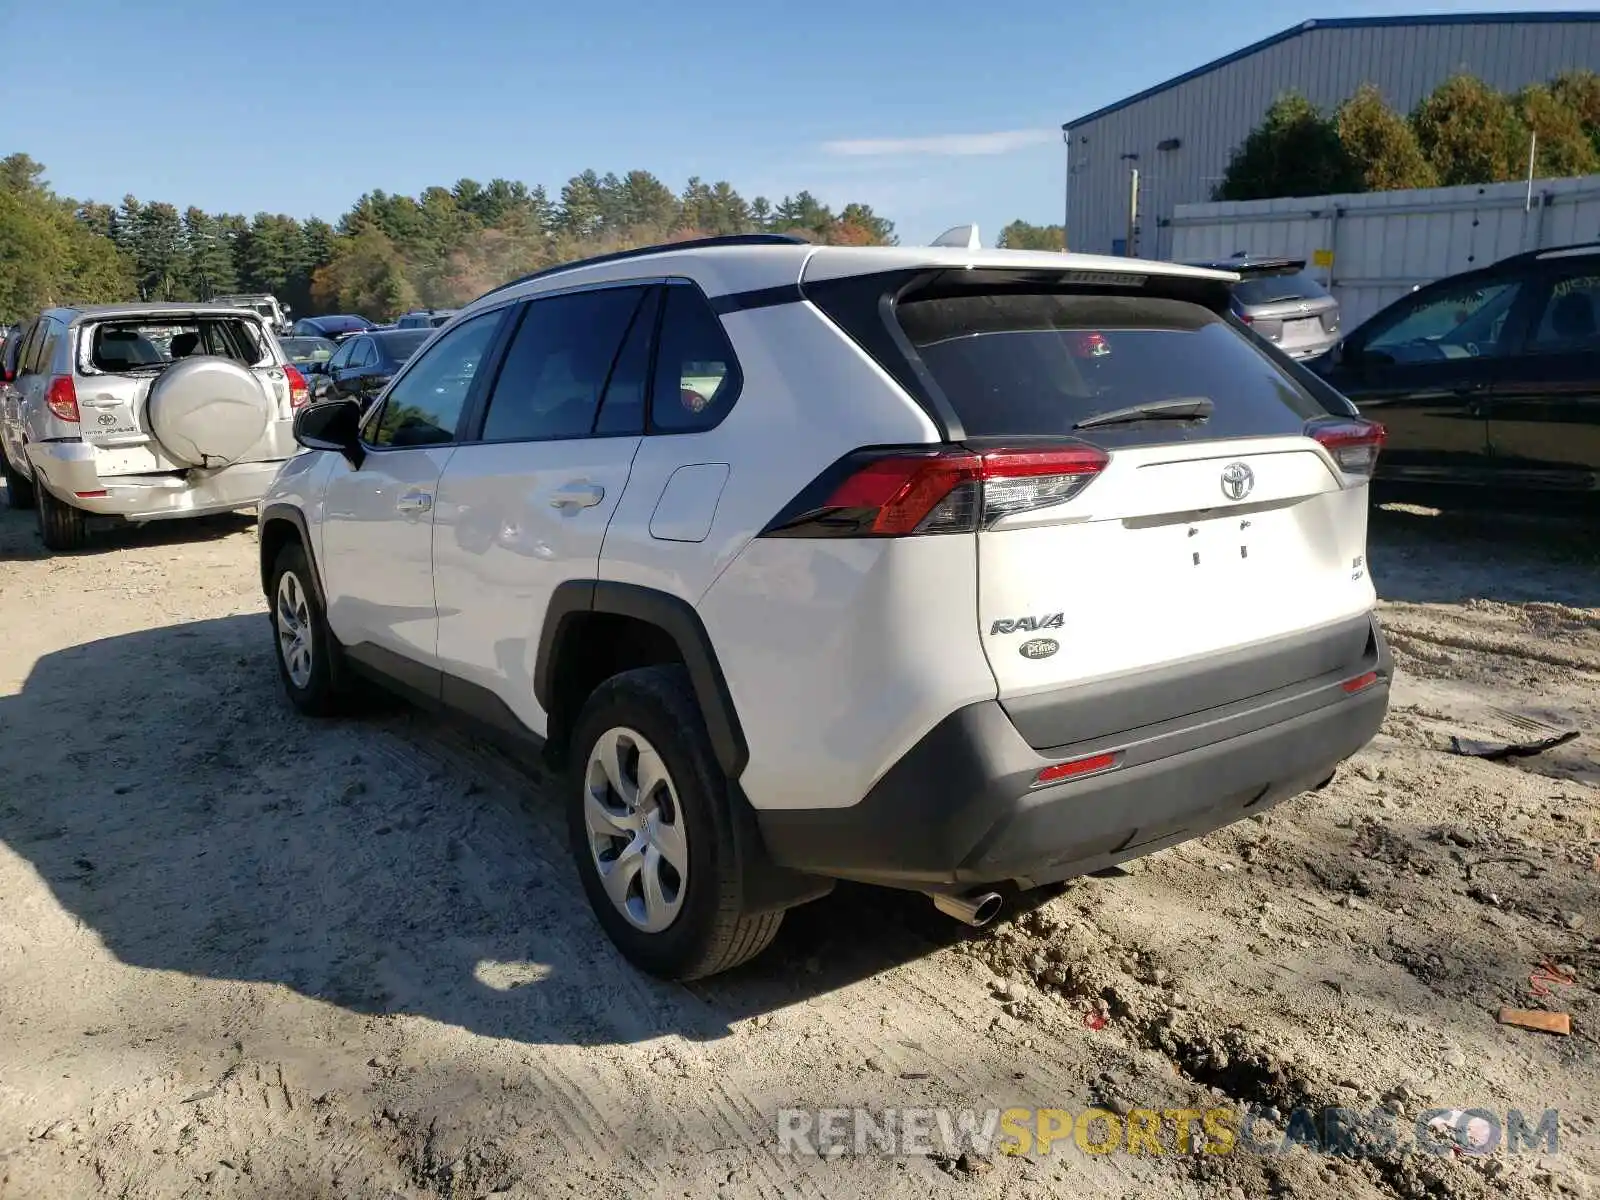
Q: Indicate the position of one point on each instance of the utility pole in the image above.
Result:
(1533, 145)
(1133, 212)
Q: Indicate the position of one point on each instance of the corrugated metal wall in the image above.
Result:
(1386, 243)
(1212, 113)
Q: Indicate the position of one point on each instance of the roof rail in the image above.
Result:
(732, 239)
(1563, 251)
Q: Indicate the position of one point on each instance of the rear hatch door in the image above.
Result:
(1213, 524)
(119, 360)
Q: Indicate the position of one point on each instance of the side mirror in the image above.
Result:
(332, 425)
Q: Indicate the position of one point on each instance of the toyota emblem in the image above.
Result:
(1237, 480)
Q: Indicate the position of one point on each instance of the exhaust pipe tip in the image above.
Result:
(976, 910)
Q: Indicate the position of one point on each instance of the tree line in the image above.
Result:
(387, 254)
(1463, 132)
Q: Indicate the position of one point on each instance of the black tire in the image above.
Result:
(19, 491)
(324, 690)
(60, 525)
(710, 932)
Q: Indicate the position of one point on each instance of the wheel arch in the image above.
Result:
(563, 675)
(278, 525)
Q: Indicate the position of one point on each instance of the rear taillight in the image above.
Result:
(299, 393)
(900, 493)
(1353, 443)
(61, 398)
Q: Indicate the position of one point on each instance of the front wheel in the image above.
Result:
(651, 830)
(310, 659)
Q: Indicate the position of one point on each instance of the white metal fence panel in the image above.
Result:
(1374, 247)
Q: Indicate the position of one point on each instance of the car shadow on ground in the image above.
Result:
(20, 542)
(1532, 553)
(388, 863)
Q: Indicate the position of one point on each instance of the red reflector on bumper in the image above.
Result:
(89, 495)
(1360, 681)
(1056, 772)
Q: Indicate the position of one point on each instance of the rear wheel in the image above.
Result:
(19, 491)
(651, 830)
(60, 525)
(310, 659)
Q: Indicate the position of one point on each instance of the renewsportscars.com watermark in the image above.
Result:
(890, 1132)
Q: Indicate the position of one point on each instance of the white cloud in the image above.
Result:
(947, 145)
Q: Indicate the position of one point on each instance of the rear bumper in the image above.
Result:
(1311, 349)
(959, 810)
(70, 472)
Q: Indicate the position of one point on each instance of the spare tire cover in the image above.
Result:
(207, 412)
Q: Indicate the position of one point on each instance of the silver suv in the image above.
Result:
(1280, 301)
(143, 412)
(277, 315)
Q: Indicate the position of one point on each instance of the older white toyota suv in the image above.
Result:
(144, 412)
(947, 569)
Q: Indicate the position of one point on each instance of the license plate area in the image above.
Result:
(1225, 544)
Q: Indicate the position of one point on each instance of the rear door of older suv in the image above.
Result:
(118, 358)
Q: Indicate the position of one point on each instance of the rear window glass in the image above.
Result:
(1277, 288)
(307, 349)
(152, 344)
(1037, 364)
(401, 346)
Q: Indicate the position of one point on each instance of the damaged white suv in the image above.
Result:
(947, 569)
(143, 412)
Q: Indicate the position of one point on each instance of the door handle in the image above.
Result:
(577, 495)
(415, 501)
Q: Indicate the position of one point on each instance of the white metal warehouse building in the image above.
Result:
(1180, 134)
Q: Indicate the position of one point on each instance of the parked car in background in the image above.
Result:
(144, 411)
(335, 328)
(17, 487)
(1282, 302)
(774, 546)
(425, 318)
(1491, 377)
(277, 315)
(362, 365)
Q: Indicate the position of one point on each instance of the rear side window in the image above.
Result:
(1037, 364)
(558, 364)
(28, 359)
(1570, 323)
(696, 377)
(1277, 288)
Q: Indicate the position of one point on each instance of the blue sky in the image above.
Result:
(936, 113)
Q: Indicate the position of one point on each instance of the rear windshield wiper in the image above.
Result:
(1187, 408)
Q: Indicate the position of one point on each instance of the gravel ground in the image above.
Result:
(242, 954)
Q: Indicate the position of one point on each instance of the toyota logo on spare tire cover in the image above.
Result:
(1237, 480)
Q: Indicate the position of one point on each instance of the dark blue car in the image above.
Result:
(334, 328)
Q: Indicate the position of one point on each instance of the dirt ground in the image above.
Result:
(242, 954)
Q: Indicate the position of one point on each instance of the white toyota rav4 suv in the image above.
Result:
(954, 570)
